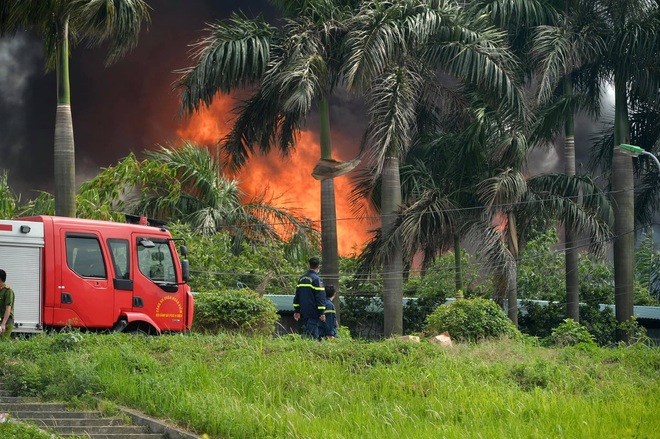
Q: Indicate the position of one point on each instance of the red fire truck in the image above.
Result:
(97, 275)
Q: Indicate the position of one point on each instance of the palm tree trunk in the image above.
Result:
(458, 269)
(624, 213)
(571, 251)
(329, 249)
(64, 151)
(512, 284)
(393, 265)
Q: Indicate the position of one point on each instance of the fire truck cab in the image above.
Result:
(98, 275)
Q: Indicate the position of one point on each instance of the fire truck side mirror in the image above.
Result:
(183, 250)
(185, 270)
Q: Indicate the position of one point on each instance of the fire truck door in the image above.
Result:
(86, 298)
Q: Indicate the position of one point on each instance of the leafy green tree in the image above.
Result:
(186, 184)
(60, 23)
(267, 267)
(8, 199)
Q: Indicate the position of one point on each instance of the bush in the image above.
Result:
(416, 311)
(539, 319)
(471, 320)
(15, 430)
(363, 315)
(600, 323)
(571, 333)
(240, 310)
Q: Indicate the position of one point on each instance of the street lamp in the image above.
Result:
(636, 151)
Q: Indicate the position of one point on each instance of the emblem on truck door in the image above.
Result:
(166, 309)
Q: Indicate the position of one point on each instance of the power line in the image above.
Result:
(478, 265)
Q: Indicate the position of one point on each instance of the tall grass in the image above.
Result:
(237, 387)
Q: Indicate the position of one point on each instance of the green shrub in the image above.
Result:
(471, 320)
(571, 333)
(600, 323)
(16, 430)
(416, 311)
(241, 310)
(539, 319)
(539, 373)
(363, 315)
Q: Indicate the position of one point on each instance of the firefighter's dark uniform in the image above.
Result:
(329, 327)
(309, 301)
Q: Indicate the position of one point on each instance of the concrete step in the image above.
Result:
(12, 407)
(90, 424)
(27, 415)
(119, 436)
(17, 399)
(77, 422)
(107, 429)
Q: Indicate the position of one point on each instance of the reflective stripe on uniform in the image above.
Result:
(310, 286)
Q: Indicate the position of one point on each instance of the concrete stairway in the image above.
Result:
(54, 417)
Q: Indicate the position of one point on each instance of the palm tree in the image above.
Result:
(563, 46)
(469, 185)
(59, 23)
(630, 30)
(396, 52)
(290, 68)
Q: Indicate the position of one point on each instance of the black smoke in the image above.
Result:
(128, 106)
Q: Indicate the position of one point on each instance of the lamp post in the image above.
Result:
(636, 151)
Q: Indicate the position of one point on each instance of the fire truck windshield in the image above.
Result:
(156, 261)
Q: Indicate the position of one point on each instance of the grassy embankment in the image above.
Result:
(237, 387)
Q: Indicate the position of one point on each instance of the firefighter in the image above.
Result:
(329, 328)
(309, 301)
(7, 306)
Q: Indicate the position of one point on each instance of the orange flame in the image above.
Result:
(288, 179)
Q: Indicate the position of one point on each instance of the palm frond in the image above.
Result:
(365, 196)
(647, 198)
(496, 257)
(260, 125)
(552, 118)
(561, 50)
(428, 225)
(478, 55)
(503, 190)
(575, 201)
(373, 41)
(235, 53)
(116, 21)
(300, 83)
(392, 102)
(516, 13)
(602, 150)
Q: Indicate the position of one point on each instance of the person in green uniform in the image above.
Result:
(7, 307)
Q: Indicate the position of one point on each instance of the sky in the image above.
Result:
(131, 106)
